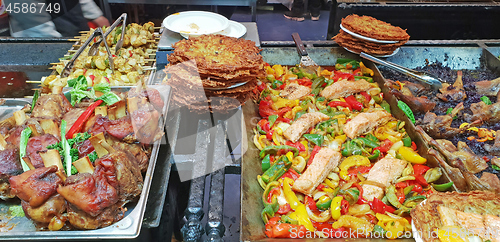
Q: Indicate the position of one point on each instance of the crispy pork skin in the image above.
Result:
(37, 144)
(36, 186)
(51, 106)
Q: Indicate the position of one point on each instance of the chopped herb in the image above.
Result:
(495, 167)
(73, 152)
(486, 100)
(93, 156)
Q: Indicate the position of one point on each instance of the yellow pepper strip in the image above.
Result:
(275, 139)
(351, 161)
(269, 70)
(289, 76)
(365, 70)
(289, 155)
(281, 103)
(450, 234)
(288, 115)
(342, 137)
(335, 207)
(328, 190)
(278, 70)
(262, 141)
(326, 73)
(289, 194)
(395, 227)
(330, 183)
(300, 215)
(354, 223)
(410, 155)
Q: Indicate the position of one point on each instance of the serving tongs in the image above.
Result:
(122, 19)
(433, 81)
(305, 61)
(97, 33)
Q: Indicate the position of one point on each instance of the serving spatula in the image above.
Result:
(305, 60)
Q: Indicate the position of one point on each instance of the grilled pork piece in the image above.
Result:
(139, 151)
(303, 124)
(51, 106)
(36, 186)
(120, 128)
(55, 206)
(295, 91)
(9, 166)
(323, 163)
(364, 122)
(82, 220)
(345, 88)
(453, 92)
(38, 144)
(383, 173)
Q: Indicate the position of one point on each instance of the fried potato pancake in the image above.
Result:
(374, 28)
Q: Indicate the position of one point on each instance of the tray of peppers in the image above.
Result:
(337, 206)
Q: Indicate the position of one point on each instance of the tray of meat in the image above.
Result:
(79, 164)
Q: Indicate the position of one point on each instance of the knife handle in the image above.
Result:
(300, 46)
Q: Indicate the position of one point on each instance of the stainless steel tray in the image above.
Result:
(21, 228)
(251, 226)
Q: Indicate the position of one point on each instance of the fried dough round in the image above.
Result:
(374, 28)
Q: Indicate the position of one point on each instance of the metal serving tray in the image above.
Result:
(21, 228)
(251, 225)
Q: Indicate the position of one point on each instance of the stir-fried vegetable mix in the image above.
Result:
(338, 205)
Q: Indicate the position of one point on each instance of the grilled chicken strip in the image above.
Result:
(383, 173)
(295, 91)
(485, 226)
(364, 122)
(345, 88)
(323, 163)
(303, 124)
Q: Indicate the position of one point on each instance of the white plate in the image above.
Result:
(196, 23)
(235, 30)
(389, 55)
(368, 38)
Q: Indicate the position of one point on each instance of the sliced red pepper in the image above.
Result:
(264, 125)
(342, 75)
(372, 218)
(284, 110)
(284, 230)
(385, 146)
(284, 209)
(367, 96)
(351, 100)
(262, 87)
(361, 200)
(380, 207)
(284, 120)
(417, 188)
(421, 180)
(130, 52)
(344, 207)
(310, 203)
(265, 109)
(402, 184)
(401, 195)
(361, 169)
(313, 153)
(269, 134)
(274, 191)
(292, 174)
(339, 103)
(297, 145)
(320, 187)
(420, 169)
(413, 145)
(78, 125)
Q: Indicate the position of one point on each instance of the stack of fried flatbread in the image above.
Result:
(372, 28)
(203, 71)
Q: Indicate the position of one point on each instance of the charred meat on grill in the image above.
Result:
(36, 186)
(440, 126)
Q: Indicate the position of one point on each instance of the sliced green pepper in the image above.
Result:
(378, 231)
(375, 155)
(317, 139)
(298, 114)
(266, 163)
(407, 110)
(414, 198)
(442, 187)
(385, 105)
(408, 189)
(23, 143)
(318, 82)
(366, 142)
(279, 168)
(269, 211)
(272, 119)
(351, 148)
(35, 98)
(288, 220)
(324, 203)
(406, 141)
(392, 198)
(265, 195)
(259, 129)
(273, 149)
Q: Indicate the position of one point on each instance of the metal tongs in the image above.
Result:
(433, 81)
(97, 32)
(123, 18)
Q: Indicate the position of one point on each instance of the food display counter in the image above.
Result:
(204, 185)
